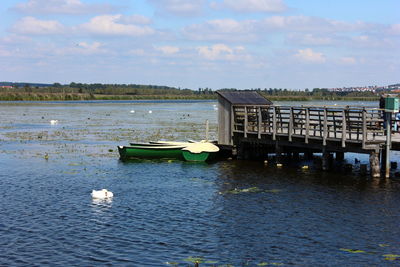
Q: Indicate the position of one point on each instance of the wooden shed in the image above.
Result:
(226, 101)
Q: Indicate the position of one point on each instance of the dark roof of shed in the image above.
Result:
(244, 98)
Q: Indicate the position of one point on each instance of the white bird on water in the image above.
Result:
(132, 111)
(102, 194)
(150, 111)
(54, 122)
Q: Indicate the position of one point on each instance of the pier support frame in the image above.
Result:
(374, 164)
(325, 159)
(339, 156)
(278, 153)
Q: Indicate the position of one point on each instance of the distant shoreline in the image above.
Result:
(22, 96)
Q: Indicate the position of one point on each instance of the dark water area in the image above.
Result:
(166, 213)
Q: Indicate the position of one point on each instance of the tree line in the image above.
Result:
(138, 91)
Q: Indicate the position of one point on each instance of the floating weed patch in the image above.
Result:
(194, 259)
(384, 245)
(352, 250)
(199, 260)
(391, 257)
(249, 190)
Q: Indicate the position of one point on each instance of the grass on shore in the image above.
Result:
(21, 96)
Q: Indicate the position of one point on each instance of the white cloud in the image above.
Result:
(111, 25)
(168, 50)
(14, 39)
(134, 19)
(85, 48)
(310, 24)
(61, 7)
(223, 52)
(33, 26)
(394, 29)
(373, 41)
(222, 29)
(137, 52)
(308, 55)
(310, 39)
(348, 60)
(5, 53)
(253, 5)
(180, 7)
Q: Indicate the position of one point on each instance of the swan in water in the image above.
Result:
(132, 111)
(54, 122)
(150, 111)
(102, 194)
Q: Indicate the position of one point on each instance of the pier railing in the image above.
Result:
(344, 125)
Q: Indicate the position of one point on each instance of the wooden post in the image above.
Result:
(290, 128)
(344, 128)
(309, 155)
(374, 164)
(339, 156)
(307, 125)
(325, 159)
(388, 143)
(245, 121)
(259, 122)
(325, 126)
(363, 169)
(274, 123)
(278, 153)
(364, 127)
(232, 125)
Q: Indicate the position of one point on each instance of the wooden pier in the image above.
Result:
(254, 130)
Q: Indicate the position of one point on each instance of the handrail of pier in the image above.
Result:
(326, 123)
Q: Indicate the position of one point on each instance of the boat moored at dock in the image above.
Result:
(188, 151)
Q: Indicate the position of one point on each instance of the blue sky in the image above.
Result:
(240, 44)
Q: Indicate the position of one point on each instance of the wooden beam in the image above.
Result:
(259, 120)
(274, 130)
(232, 124)
(290, 126)
(245, 121)
(325, 127)
(364, 127)
(344, 130)
(307, 125)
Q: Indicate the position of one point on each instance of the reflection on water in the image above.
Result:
(230, 212)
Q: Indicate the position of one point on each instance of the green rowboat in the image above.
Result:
(195, 151)
(150, 152)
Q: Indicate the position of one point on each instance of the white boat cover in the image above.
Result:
(193, 147)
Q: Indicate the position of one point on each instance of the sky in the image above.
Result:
(193, 44)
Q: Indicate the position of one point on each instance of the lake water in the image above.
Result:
(167, 213)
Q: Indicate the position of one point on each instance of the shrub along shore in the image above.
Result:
(21, 96)
(79, 91)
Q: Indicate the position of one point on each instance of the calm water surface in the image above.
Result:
(168, 212)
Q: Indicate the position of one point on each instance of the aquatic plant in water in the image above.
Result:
(352, 250)
(253, 189)
(391, 257)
